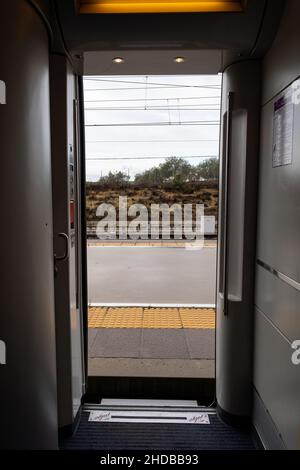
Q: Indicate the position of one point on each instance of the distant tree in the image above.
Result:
(173, 172)
(117, 179)
(150, 177)
(175, 169)
(208, 170)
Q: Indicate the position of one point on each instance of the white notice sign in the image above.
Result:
(283, 130)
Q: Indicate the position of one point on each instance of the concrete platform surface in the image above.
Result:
(152, 344)
(158, 368)
(154, 275)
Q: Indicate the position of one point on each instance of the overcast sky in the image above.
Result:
(181, 116)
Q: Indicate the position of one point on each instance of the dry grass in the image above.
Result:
(192, 193)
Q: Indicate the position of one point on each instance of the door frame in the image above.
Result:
(203, 390)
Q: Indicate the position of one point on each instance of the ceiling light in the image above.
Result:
(179, 60)
(118, 60)
(160, 6)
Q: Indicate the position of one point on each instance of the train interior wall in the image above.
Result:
(28, 393)
(277, 303)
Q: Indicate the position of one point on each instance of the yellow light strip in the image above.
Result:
(157, 6)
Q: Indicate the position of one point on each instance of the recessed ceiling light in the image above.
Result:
(118, 60)
(160, 6)
(179, 60)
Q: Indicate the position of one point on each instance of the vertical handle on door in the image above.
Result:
(227, 201)
(65, 256)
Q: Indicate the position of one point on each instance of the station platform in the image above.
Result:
(152, 342)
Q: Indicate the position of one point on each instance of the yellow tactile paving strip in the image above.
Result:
(193, 317)
(155, 318)
(96, 317)
(161, 318)
(118, 317)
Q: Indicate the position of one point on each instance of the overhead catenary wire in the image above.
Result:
(137, 88)
(168, 105)
(149, 141)
(113, 80)
(152, 99)
(171, 108)
(154, 124)
(137, 96)
(150, 158)
(164, 85)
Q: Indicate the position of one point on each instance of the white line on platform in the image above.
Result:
(150, 305)
(152, 247)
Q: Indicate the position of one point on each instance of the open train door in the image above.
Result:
(69, 240)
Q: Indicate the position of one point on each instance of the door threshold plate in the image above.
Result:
(175, 417)
(149, 403)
